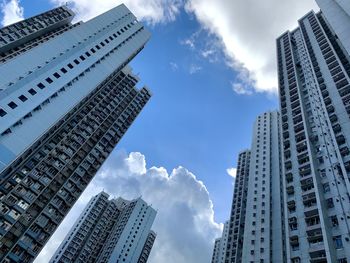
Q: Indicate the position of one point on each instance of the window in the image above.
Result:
(41, 86)
(98, 47)
(2, 113)
(93, 50)
(334, 221)
(70, 66)
(22, 98)
(326, 188)
(12, 105)
(87, 54)
(32, 92)
(338, 243)
(82, 58)
(330, 203)
(49, 80)
(76, 61)
(56, 75)
(64, 71)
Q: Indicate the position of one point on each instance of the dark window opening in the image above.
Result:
(41, 86)
(22, 98)
(57, 76)
(32, 92)
(2, 113)
(12, 105)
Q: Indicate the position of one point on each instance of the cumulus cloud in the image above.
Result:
(240, 33)
(184, 224)
(152, 11)
(247, 30)
(12, 12)
(232, 172)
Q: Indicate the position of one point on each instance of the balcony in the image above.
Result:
(305, 170)
(318, 255)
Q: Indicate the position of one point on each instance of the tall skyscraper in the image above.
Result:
(216, 251)
(263, 228)
(146, 251)
(220, 245)
(238, 210)
(313, 71)
(109, 231)
(256, 224)
(337, 14)
(67, 97)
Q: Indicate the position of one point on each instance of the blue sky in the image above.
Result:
(194, 119)
(210, 78)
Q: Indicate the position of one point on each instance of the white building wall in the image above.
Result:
(47, 59)
(263, 225)
(134, 235)
(337, 13)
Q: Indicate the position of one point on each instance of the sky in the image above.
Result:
(211, 66)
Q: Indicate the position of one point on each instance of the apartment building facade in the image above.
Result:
(67, 97)
(115, 230)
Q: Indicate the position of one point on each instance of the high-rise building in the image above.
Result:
(67, 97)
(234, 245)
(114, 230)
(313, 71)
(216, 251)
(263, 226)
(337, 14)
(256, 230)
(146, 251)
(220, 245)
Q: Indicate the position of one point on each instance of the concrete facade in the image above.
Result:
(114, 230)
(263, 231)
(66, 99)
(256, 230)
(238, 210)
(313, 70)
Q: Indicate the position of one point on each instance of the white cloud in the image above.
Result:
(247, 30)
(194, 69)
(232, 172)
(12, 12)
(152, 11)
(240, 33)
(173, 66)
(185, 221)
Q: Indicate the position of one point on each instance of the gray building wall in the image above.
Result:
(64, 105)
(263, 230)
(314, 99)
(337, 13)
(237, 219)
(115, 225)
